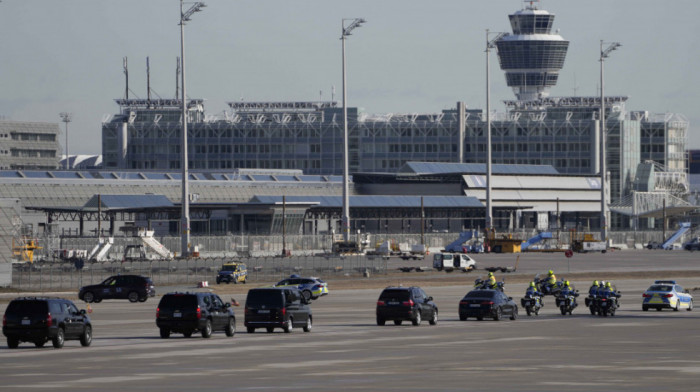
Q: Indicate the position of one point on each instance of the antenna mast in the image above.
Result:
(177, 77)
(148, 80)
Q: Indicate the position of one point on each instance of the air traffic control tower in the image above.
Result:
(532, 56)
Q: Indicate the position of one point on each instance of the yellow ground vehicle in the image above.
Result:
(232, 273)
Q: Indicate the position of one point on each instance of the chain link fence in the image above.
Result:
(54, 276)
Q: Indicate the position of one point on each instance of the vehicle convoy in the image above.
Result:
(566, 299)
(232, 273)
(277, 307)
(548, 285)
(310, 288)
(607, 302)
(489, 303)
(399, 304)
(452, 261)
(38, 320)
(132, 287)
(187, 313)
(666, 294)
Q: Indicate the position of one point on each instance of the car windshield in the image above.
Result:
(178, 301)
(480, 294)
(228, 268)
(659, 287)
(395, 295)
(27, 308)
(258, 298)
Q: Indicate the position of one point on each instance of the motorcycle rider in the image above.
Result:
(593, 290)
(491, 281)
(532, 290)
(550, 282)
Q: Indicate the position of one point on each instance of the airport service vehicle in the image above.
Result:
(666, 294)
(310, 288)
(490, 303)
(451, 261)
(187, 313)
(400, 304)
(131, 287)
(277, 307)
(38, 320)
(232, 273)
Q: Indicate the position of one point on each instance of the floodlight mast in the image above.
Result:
(604, 53)
(490, 44)
(66, 118)
(185, 215)
(346, 197)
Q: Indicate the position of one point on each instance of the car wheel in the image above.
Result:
(133, 296)
(270, 329)
(678, 306)
(690, 306)
(206, 331)
(12, 342)
(164, 333)
(307, 327)
(230, 327)
(645, 308)
(244, 280)
(187, 334)
(514, 315)
(250, 330)
(380, 321)
(88, 297)
(86, 337)
(398, 322)
(416, 320)
(288, 327)
(307, 295)
(434, 319)
(59, 339)
(143, 299)
(462, 317)
(497, 315)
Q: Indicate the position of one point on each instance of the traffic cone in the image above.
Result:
(89, 309)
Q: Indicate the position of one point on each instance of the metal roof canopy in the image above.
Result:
(377, 201)
(127, 202)
(433, 168)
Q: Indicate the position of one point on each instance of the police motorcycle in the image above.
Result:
(532, 302)
(544, 287)
(607, 302)
(566, 299)
(591, 300)
(483, 284)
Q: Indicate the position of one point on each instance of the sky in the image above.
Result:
(410, 57)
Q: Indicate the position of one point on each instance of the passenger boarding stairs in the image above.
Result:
(545, 235)
(456, 246)
(150, 242)
(99, 252)
(685, 226)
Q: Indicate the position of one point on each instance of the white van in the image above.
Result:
(450, 261)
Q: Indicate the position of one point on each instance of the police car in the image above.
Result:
(667, 294)
(310, 288)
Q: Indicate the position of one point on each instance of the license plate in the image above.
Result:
(26, 322)
(177, 314)
(474, 306)
(263, 311)
(603, 305)
(392, 303)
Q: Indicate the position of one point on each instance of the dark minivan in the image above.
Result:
(282, 307)
(187, 313)
(38, 320)
(131, 287)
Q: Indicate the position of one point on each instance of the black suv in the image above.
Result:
(282, 307)
(131, 287)
(187, 313)
(32, 319)
(406, 303)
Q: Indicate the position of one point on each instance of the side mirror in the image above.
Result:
(83, 312)
(510, 298)
(227, 305)
(428, 299)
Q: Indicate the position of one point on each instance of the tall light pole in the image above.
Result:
(604, 53)
(66, 118)
(185, 215)
(490, 44)
(346, 197)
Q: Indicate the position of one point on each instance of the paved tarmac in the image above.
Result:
(347, 351)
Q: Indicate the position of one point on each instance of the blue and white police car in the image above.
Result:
(667, 294)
